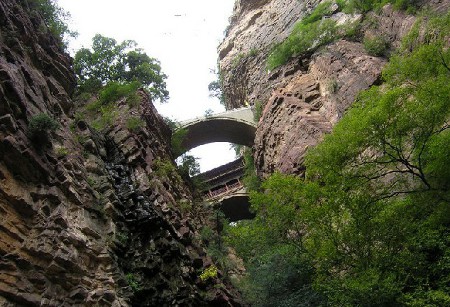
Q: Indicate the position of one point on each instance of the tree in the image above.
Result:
(54, 17)
(188, 165)
(124, 62)
(386, 185)
(370, 222)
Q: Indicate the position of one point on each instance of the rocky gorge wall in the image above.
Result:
(87, 219)
(305, 97)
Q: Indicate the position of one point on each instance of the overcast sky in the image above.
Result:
(182, 34)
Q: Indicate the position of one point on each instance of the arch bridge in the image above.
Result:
(234, 126)
(223, 184)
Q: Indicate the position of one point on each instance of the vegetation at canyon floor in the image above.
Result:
(369, 224)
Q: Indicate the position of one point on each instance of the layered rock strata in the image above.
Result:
(304, 98)
(86, 218)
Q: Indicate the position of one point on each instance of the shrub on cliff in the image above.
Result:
(309, 33)
(113, 91)
(40, 126)
(122, 63)
(376, 46)
(314, 30)
(368, 5)
(55, 18)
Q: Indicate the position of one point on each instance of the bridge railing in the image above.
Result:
(185, 122)
(224, 190)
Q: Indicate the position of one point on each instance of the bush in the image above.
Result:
(210, 272)
(251, 180)
(135, 123)
(177, 140)
(55, 18)
(108, 115)
(40, 126)
(365, 6)
(188, 166)
(61, 151)
(166, 169)
(133, 282)
(257, 111)
(352, 31)
(303, 38)
(376, 46)
(113, 91)
(322, 9)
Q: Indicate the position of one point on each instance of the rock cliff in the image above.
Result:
(87, 218)
(305, 97)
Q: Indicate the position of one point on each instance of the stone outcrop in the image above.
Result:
(298, 114)
(86, 217)
(255, 27)
(304, 98)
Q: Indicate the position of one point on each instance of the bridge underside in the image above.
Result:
(218, 130)
(236, 208)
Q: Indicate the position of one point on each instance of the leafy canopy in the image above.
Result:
(109, 61)
(370, 223)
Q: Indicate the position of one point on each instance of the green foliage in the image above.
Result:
(314, 31)
(280, 279)
(321, 10)
(188, 165)
(40, 126)
(122, 237)
(237, 149)
(102, 112)
(211, 236)
(365, 6)
(376, 46)
(61, 151)
(135, 123)
(305, 37)
(133, 99)
(332, 85)
(185, 206)
(257, 110)
(166, 169)
(107, 116)
(310, 33)
(113, 91)
(237, 59)
(241, 56)
(271, 245)
(121, 63)
(215, 87)
(177, 141)
(91, 181)
(209, 273)
(133, 282)
(352, 31)
(369, 225)
(55, 18)
(251, 179)
(173, 124)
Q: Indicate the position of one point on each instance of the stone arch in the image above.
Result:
(235, 126)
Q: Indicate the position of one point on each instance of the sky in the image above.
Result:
(182, 35)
